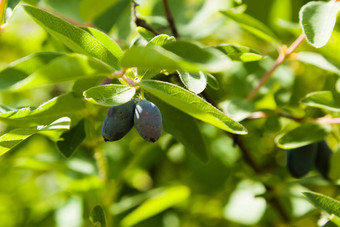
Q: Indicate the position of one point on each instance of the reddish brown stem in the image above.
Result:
(280, 59)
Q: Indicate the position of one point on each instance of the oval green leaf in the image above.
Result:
(195, 82)
(317, 20)
(191, 104)
(322, 99)
(299, 137)
(73, 37)
(110, 95)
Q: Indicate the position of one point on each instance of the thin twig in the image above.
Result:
(170, 18)
(140, 22)
(280, 59)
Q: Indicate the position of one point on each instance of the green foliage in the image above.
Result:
(233, 111)
(324, 203)
(317, 20)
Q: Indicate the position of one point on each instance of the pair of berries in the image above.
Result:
(144, 115)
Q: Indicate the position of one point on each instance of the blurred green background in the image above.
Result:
(39, 187)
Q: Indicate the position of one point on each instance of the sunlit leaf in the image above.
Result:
(252, 25)
(317, 20)
(110, 95)
(73, 37)
(299, 137)
(171, 196)
(195, 82)
(16, 136)
(64, 105)
(318, 61)
(239, 53)
(183, 127)
(97, 216)
(322, 99)
(191, 104)
(324, 203)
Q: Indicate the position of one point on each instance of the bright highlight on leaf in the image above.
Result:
(317, 20)
(76, 38)
(192, 105)
(110, 95)
(16, 136)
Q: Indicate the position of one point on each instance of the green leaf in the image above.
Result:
(324, 203)
(161, 40)
(317, 20)
(64, 68)
(72, 139)
(183, 127)
(170, 196)
(22, 68)
(146, 34)
(61, 106)
(212, 81)
(195, 82)
(322, 99)
(299, 137)
(253, 26)
(191, 104)
(110, 95)
(73, 37)
(187, 57)
(16, 136)
(97, 216)
(109, 43)
(318, 61)
(239, 53)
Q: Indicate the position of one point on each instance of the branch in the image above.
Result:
(170, 18)
(280, 59)
(140, 22)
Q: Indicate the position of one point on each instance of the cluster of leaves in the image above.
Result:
(201, 83)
